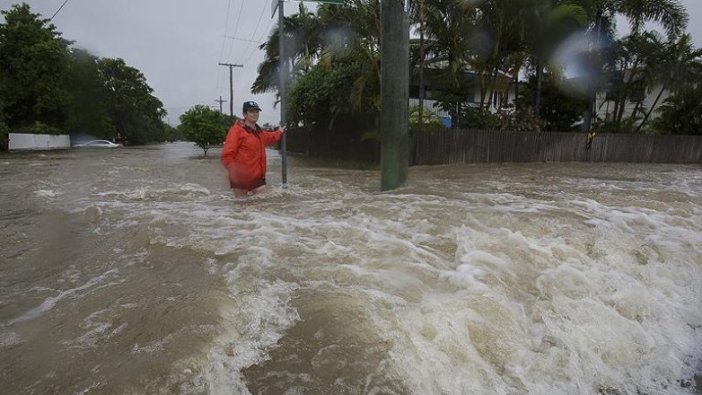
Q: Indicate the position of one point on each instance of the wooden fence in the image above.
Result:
(479, 146)
(450, 146)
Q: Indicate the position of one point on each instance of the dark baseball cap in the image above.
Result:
(251, 105)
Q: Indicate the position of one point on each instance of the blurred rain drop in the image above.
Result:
(576, 58)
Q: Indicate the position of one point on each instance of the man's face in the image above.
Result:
(252, 116)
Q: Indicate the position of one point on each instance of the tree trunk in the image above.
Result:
(539, 78)
(493, 81)
(592, 88)
(516, 84)
(624, 96)
(650, 110)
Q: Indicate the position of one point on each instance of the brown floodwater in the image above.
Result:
(136, 270)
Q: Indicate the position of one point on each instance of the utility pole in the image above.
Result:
(220, 101)
(394, 93)
(283, 82)
(231, 86)
(421, 64)
(283, 72)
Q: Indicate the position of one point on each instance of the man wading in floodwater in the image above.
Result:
(244, 152)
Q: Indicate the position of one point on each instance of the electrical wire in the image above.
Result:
(224, 43)
(236, 27)
(246, 54)
(57, 11)
(260, 17)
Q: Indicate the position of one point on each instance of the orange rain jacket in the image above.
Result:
(244, 155)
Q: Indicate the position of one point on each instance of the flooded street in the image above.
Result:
(136, 271)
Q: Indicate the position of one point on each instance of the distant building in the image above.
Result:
(605, 100)
(503, 96)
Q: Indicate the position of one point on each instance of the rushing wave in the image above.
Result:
(485, 279)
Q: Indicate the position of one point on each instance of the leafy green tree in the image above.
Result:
(172, 134)
(554, 23)
(345, 33)
(302, 35)
(670, 14)
(453, 42)
(558, 111)
(87, 107)
(33, 64)
(682, 113)
(136, 114)
(4, 132)
(48, 87)
(678, 63)
(322, 96)
(429, 119)
(203, 126)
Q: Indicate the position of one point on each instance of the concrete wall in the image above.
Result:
(26, 141)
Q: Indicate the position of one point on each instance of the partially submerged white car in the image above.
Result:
(98, 144)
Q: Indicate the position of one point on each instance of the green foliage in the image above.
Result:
(681, 113)
(88, 110)
(558, 111)
(39, 128)
(322, 95)
(46, 86)
(203, 126)
(522, 119)
(477, 118)
(33, 64)
(4, 133)
(471, 49)
(135, 112)
(452, 100)
(172, 134)
(430, 119)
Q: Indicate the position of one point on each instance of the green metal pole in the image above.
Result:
(394, 90)
(283, 73)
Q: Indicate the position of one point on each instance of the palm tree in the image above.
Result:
(677, 64)
(670, 14)
(353, 32)
(553, 23)
(303, 41)
(630, 69)
(448, 29)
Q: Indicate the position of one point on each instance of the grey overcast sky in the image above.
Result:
(178, 44)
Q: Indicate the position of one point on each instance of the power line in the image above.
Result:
(226, 29)
(57, 11)
(224, 41)
(259, 41)
(241, 39)
(246, 54)
(236, 27)
(260, 17)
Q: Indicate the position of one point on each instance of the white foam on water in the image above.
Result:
(49, 303)
(536, 310)
(98, 328)
(9, 339)
(586, 326)
(178, 192)
(46, 193)
(152, 347)
(491, 288)
(256, 320)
